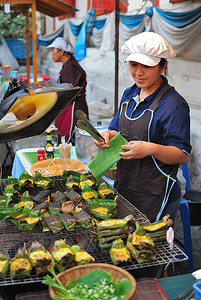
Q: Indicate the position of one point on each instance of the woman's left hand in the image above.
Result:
(135, 150)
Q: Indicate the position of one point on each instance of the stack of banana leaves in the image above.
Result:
(157, 230)
(109, 230)
(37, 259)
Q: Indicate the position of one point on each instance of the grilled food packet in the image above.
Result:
(72, 184)
(68, 221)
(114, 223)
(105, 191)
(41, 208)
(20, 265)
(28, 223)
(43, 182)
(62, 255)
(102, 212)
(54, 208)
(108, 203)
(26, 180)
(14, 182)
(42, 196)
(66, 174)
(111, 238)
(5, 200)
(83, 219)
(12, 193)
(73, 196)
(82, 257)
(58, 197)
(53, 223)
(18, 213)
(4, 265)
(114, 232)
(119, 253)
(88, 193)
(40, 258)
(141, 245)
(68, 207)
(85, 180)
(26, 199)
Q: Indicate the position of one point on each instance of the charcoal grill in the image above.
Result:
(11, 239)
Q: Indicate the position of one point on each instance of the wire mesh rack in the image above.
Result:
(11, 239)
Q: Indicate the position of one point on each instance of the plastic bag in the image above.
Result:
(182, 181)
(6, 56)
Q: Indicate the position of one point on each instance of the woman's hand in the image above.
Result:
(107, 135)
(167, 154)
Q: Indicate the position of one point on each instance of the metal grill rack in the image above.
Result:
(11, 239)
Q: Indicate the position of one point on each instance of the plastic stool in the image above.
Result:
(184, 210)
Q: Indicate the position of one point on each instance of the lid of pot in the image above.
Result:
(99, 125)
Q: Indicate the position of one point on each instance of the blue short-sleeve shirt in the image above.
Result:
(171, 121)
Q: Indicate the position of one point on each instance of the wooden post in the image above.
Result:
(34, 39)
(27, 46)
(116, 56)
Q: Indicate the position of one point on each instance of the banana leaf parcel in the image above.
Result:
(42, 196)
(53, 223)
(58, 197)
(26, 180)
(4, 265)
(28, 223)
(20, 265)
(114, 223)
(105, 191)
(62, 255)
(83, 219)
(82, 257)
(85, 180)
(43, 182)
(119, 253)
(14, 182)
(68, 221)
(107, 157)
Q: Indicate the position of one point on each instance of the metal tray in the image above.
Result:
(11, 239)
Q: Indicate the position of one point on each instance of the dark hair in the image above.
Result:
(162, 62)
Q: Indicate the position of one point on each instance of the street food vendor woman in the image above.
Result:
(154, 118)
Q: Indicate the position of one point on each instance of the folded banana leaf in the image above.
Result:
(62, 255)
(41, 208)
(66, 174)
(107, 157)
(45, 228)
(26, 180)
(14, 182)
(68, 207)
(53, 223)
(88, 193)
(119, 253)
(40, 258)
(18, 213)
(26, 199)
(140, 237)
(54, 208)
(28, 223)
(4, 265)
(110, 239)
(108, 203)
(42, 196)
(82, 257)
(105, 191)
(114, 223)
(43, 182)
(68, 221)
(20, 265)
(83, 219)
(102, 212)
(72, 184)
(58, 197)
(4, 211)
(84, 180)
(159, 235)
(73, 196)
(113, 232)
(12, 193)
(105, 245)
(165, 223)
(141, 253)
(5, 200)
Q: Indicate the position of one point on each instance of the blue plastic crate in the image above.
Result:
(197, 287)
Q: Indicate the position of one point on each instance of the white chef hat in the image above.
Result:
(60, 43)
(147, 48)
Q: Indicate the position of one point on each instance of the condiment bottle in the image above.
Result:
(50, 152)
(49, 144)
(40, 154)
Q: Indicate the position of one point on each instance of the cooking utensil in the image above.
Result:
(84, 124)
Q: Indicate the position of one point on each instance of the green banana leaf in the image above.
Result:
(107, 157)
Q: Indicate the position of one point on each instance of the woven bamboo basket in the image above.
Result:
(76, 272)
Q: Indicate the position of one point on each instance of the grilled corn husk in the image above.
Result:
(62, 255)
(119, 253)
